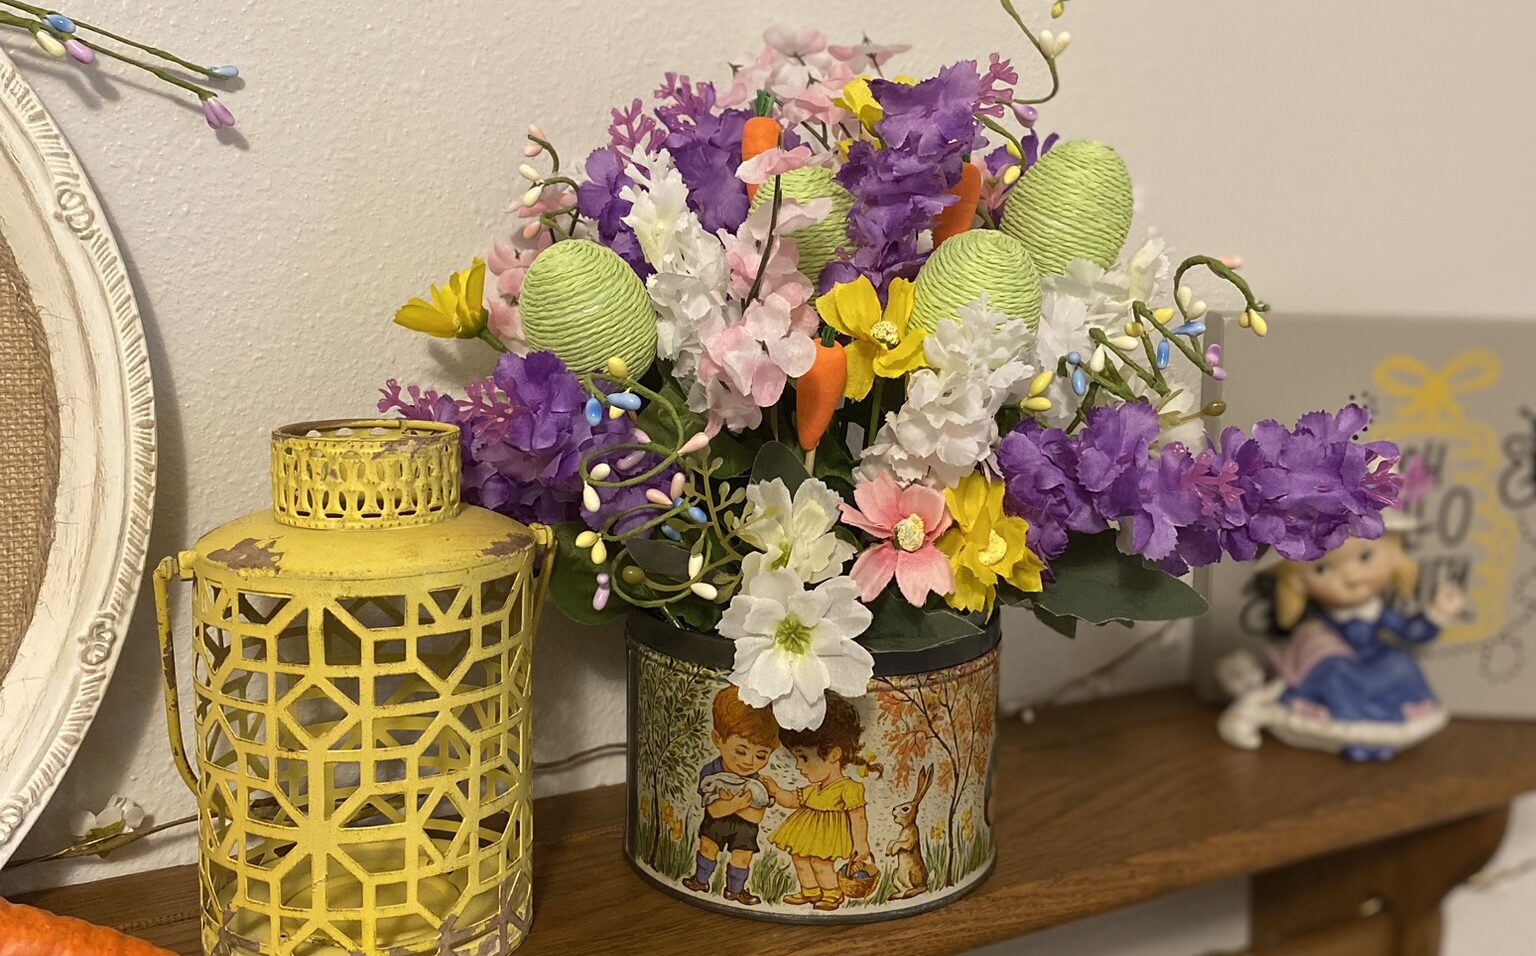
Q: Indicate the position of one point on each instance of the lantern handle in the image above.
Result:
(544, 540)
(172, 566)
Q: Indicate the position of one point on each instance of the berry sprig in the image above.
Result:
(64, 37)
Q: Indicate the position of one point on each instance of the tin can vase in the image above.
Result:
(916, 755)
(361, 752)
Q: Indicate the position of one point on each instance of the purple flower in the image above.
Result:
(523, 435)
(934, 121)
(996, 85)
(1302, 491)
(927, 130)
(999, 161)
(634, 129)
(684, 103)
(598, 199)
(707, 150)
(1112, 451)
(1166, 503)
(1040, 468)
(1313, 487)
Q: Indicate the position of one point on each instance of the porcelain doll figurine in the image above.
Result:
(1345, 679)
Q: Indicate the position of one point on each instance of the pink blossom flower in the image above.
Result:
(509, 264)
(506, 323)
(758, 355)
(875, 53)
(773, 162)
(795, 43)
(908, 521)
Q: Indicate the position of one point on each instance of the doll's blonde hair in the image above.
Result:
(1291, 589)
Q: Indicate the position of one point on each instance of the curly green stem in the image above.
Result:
(554, 154)
(1050, 61)
(1222, 271)
(1003, 131)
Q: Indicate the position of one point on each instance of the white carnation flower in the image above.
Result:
(794, 645)
(796, 533)
(948, 425)
(692, 276)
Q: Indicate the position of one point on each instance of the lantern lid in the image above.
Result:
(365, 473)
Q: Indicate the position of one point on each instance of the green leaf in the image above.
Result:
(778, 460)
(1098, 584)
(661, 559)
(1013, 597)
(696, 613)
(573, 580)
(898, 626)
(1065, 626)
(834, 465)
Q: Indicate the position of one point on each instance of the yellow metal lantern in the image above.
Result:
(362, 741)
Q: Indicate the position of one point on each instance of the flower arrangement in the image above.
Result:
(66, 38)
(829, 363)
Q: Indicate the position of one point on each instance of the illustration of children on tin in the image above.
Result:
(733, 794)
(828, 822)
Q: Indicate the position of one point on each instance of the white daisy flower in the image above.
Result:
(796, 533)
(794, 645)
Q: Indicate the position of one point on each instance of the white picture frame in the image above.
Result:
(65, 248)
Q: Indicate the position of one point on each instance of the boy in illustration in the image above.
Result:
(829, 822)
(735, 798)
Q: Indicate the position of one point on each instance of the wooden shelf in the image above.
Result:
(1099, 806)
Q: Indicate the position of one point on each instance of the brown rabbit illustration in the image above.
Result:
(911, 873)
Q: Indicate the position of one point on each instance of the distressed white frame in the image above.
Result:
(65, 248)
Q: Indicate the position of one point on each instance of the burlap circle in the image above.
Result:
(29, 451)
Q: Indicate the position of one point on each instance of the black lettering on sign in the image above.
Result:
(1517, 483)
(1454, 520)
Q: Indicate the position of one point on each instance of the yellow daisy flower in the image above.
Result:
(985, 546)
(457, 309)
(884, 342)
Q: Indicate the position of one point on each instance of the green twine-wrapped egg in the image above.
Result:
(1075, 203)
(586, 305)
(973, 263)
(818, 243)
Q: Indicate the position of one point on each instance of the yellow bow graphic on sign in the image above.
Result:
(1432, 394)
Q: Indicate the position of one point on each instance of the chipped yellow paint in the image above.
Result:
(361, 749)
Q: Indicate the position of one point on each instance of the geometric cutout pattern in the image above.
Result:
(363, 760)
(376, 474)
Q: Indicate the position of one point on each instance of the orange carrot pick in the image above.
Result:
(817, 393)
(761, 134)
(958, 216)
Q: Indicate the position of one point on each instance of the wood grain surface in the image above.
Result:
(1100, 806)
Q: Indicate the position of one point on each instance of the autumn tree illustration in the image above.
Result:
(947, 718)
(672, 738)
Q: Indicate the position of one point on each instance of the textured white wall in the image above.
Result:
(1370, 156)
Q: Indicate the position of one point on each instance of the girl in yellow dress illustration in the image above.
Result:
(829, 822)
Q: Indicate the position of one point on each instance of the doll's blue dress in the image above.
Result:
(1353, 673)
